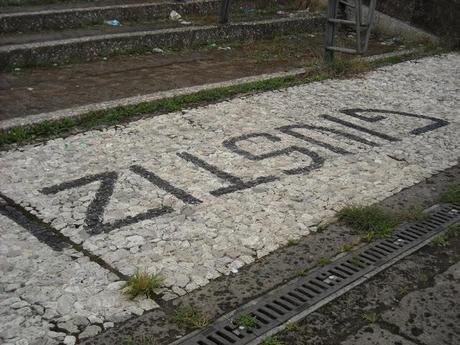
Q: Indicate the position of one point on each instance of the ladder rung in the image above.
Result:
(342, 21)
(343, 50)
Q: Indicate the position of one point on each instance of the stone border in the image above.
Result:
(88, 48)
(71, 18)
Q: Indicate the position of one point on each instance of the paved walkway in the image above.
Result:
(428, 316)
(203, 192)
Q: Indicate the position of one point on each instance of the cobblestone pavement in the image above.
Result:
(203, 192)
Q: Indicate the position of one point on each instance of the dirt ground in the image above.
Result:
(25, 92)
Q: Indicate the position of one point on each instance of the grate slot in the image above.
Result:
(308, 287)
(227, 337)
(369, 258)
(215, 341)
(318, 285)
(267, 313)
(282, 304)
(290, 301)
(304, 292)
(337, 273)
(261, 318)
(408, 234)
(442, 217)
(419, 228)
(319, 282)
(360, 262)
(376, 252)
(420, 232)
(297, 296)
(385, 248)
(351, 267)
(429, 225)
(344, 269)
(404, 237)
(275, 309)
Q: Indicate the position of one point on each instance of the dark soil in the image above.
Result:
(32, 91)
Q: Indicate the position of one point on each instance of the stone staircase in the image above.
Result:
(66, 32)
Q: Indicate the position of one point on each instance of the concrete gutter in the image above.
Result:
(71, 18)
(91, 47)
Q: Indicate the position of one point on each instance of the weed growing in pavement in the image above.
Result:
(292, 242)
(403, 291)
(453, 231)
(371, 318)
(452, 196)
(190, 317)
(441, 240)
(142, 283)
(303, 273)
(373, 222)
(246, 321)
(346, 247)
(272, 341)
(324, 261)
(292, 326)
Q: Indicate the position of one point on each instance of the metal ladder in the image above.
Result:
(363, 26)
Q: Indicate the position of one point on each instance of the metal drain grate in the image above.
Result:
(292, 299)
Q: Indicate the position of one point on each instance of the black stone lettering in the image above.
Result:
(316, 163)
(232, 146)
(32, 224)
(166, 186)
(95, 213)
(289, 130)
(359, 128)
(437, 123)
(237, 184)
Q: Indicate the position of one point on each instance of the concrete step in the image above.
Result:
(86, 46)
(69, 16)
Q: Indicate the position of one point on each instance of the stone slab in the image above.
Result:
(431, 315)
(374, 335)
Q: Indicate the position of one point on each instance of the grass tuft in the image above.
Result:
(371, 318)
(142, 283)
(324, 261)
(373, 222)
(245, 321)
(272, 341)
(452, 196)
(190, 317)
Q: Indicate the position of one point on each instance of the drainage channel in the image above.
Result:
(303, 295)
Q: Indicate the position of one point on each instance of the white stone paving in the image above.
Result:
(195, 243)
(47, 295)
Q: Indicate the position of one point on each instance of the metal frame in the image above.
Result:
(224, 11)
(362, 25)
